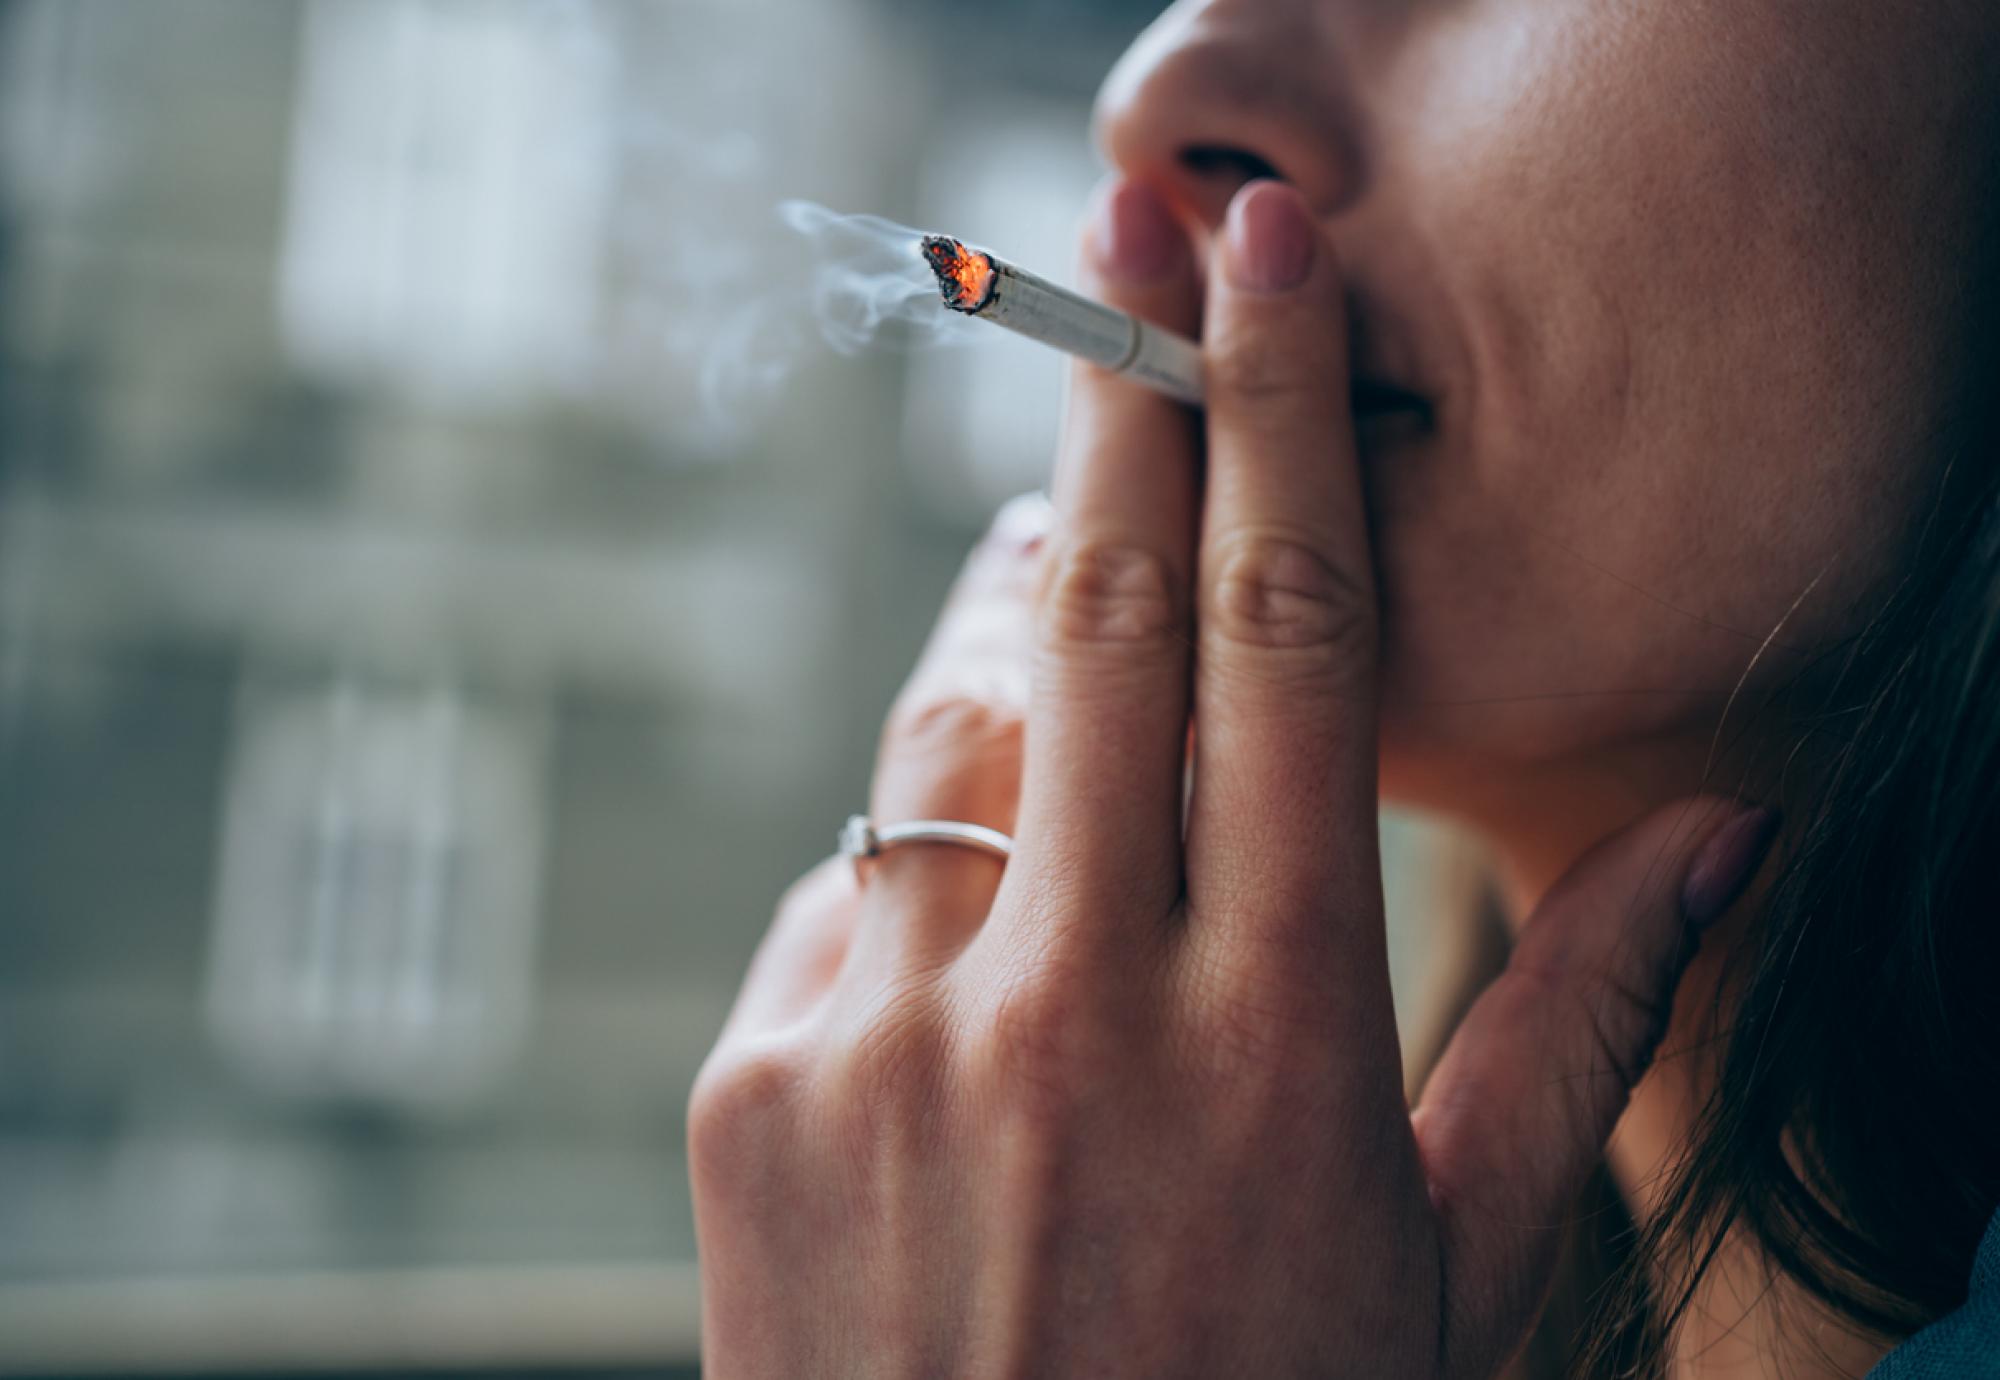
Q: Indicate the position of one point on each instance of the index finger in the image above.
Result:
(1281, 844)
(1107, 719)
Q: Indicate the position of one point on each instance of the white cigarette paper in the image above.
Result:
(979, 284)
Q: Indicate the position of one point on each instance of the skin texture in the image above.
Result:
(1674, 282)
(1684, 284)
(960, 1125)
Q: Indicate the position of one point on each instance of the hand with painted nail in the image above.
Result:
(1132, 1105)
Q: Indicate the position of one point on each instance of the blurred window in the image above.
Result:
(449, 186)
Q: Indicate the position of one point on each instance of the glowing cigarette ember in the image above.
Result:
(982, 285)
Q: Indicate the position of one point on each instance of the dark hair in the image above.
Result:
(1852, 1134)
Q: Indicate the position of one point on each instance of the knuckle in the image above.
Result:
(1626, 1024)
(740, 1102)
(1275, 593)
(955, 754)
(1110, 593)
(1622, 1022)
(955, 724)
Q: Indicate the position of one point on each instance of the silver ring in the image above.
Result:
(860, 839)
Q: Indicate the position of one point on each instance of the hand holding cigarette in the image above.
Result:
(1133, 1105)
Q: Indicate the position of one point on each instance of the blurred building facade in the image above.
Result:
(420, 669)
(433, 630)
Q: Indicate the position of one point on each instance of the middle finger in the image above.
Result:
(1281, 850)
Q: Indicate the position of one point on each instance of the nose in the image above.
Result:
(1218, 93)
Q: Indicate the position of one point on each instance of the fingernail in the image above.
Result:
(1022, 524)
(1725, 866)
(1137, 238)
(1269, 240)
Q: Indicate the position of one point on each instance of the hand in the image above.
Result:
(1136, 1110)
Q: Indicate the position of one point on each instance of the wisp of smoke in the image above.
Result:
(856, 282)
(868, 274)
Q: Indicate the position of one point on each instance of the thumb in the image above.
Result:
(1518, 1111)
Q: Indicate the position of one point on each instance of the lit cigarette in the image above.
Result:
(990, 288)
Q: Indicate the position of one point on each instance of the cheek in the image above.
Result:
(1683, 432)
(1538, 622)
(1553, 625)
(1533, 558)
(1604, 577)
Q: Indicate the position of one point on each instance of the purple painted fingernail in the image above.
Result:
(1726, 864)
(1269, 239)
(1137, 239)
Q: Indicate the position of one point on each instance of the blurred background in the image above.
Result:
(434, 630)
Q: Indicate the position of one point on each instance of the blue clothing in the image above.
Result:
(1962, 1345)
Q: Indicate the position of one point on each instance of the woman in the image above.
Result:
(1597, 455)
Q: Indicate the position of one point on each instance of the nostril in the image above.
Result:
(1209, 160)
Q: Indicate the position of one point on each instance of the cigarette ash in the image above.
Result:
(966, 278)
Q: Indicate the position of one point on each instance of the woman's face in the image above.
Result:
(1680, 286)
